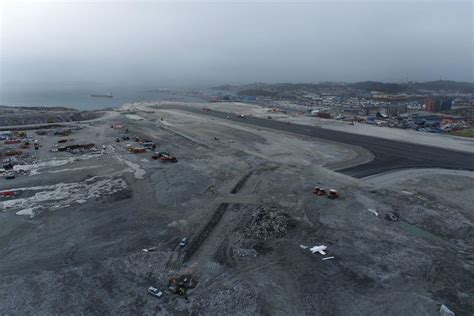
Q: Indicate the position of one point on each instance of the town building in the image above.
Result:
(432, 105)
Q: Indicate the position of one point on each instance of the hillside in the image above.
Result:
(386, 87)
(464, 87)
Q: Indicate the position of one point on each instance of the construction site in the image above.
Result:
(232, 208)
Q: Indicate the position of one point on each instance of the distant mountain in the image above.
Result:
(465, 87)
(446, 85)
(226, 87)
(386, 87)
(257, 92)
(379, 86)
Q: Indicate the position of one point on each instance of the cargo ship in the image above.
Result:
(108, 95)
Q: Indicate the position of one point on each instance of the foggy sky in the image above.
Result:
(169, 43)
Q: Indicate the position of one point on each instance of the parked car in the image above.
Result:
(155, 292)
(183, 242)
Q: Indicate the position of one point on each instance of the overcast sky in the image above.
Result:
(201, 43)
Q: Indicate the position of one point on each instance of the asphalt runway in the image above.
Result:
(389, 154)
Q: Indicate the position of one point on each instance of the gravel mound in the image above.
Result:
(267, 223)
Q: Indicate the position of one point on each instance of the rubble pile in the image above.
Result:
(180, 285)
(267, 223)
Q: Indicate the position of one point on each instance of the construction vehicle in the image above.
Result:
(168, 159)
(8, 194)
(319, 191)
(149, 145)
(333, 194)
(12, 141)
(13, 153)
(164, 157)
(138, 150)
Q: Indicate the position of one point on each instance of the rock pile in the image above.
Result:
(267, 223)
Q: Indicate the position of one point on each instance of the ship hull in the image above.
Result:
(101, 96)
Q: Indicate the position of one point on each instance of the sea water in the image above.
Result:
(80, 98)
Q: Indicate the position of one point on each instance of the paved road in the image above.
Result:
(389, 154)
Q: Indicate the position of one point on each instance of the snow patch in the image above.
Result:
(62, 195)
(138, 172)
(26, 211)
(37, 167)
(134, 117)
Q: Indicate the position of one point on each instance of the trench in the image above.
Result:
(196, 242)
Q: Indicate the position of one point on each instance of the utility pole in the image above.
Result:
(471, 106)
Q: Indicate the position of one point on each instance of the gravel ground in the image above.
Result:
(443, 141)
(250, 194)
